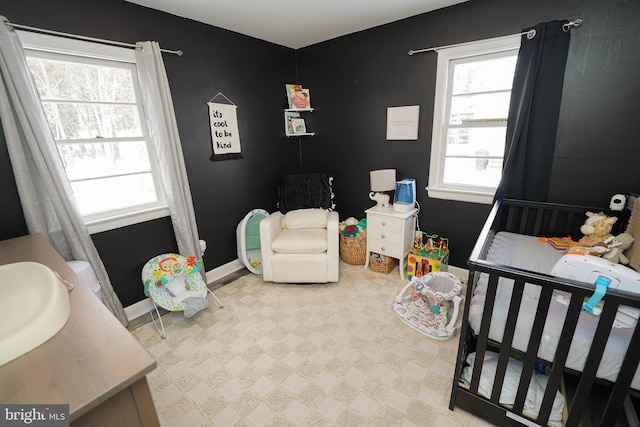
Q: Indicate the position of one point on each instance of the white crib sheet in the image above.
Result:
(526, 252)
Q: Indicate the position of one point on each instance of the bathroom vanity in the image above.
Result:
(93, 363)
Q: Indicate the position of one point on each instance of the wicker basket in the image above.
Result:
(353, 250)
(382, 263)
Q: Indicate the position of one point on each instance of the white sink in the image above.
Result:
(34, 306)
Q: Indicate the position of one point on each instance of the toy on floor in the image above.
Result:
(425, 245)
(432, 306)
(169, 279)
(429, 253)
(175, 283)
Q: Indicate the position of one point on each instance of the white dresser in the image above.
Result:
(390, 233)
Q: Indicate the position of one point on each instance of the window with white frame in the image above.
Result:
(473, 90)
(91, 99)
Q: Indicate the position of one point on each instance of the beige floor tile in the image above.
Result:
(311, 355)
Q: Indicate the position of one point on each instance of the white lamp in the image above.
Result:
(382, 180)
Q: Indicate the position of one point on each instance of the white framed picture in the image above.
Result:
(402, 123)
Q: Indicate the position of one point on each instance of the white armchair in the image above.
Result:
(300, 247)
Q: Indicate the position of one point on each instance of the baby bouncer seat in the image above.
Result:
(174, 282)
(432, 306)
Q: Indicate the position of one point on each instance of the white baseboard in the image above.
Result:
(224, 270)
(138, 309)
(141, 308)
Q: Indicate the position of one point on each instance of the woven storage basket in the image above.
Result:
(353, 250)
(382, 263)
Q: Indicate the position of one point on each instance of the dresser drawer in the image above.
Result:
(379, 223)
(392, 237)
(385, 248)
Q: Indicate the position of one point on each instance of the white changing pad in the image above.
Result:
(528, 253)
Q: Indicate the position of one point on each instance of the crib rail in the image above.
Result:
(538, 219)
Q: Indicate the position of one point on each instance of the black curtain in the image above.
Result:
(533, 113)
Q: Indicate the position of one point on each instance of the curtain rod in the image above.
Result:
(530, 34)
(13, 26)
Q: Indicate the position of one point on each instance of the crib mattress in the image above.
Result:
(528, 253)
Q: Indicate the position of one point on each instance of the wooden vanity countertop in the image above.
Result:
(90, 360)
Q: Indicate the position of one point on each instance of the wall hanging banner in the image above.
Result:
(224, 131)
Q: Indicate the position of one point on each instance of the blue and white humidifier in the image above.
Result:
(405, 196)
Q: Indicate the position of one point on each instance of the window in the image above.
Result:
(473, 89)
(92, 103)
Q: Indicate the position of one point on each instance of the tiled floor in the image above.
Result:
(302, 355)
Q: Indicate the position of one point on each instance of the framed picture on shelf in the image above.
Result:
(298, 97)
(289, 89)
(301, 99)
(298, 125)
(293, 124)
(288, 125)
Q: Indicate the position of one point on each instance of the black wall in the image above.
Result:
(353, 79)
(250, 72)
(11, 217)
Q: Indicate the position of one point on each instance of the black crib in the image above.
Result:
(540, 219)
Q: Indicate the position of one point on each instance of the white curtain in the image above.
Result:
(45, 193)
(156, 98)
